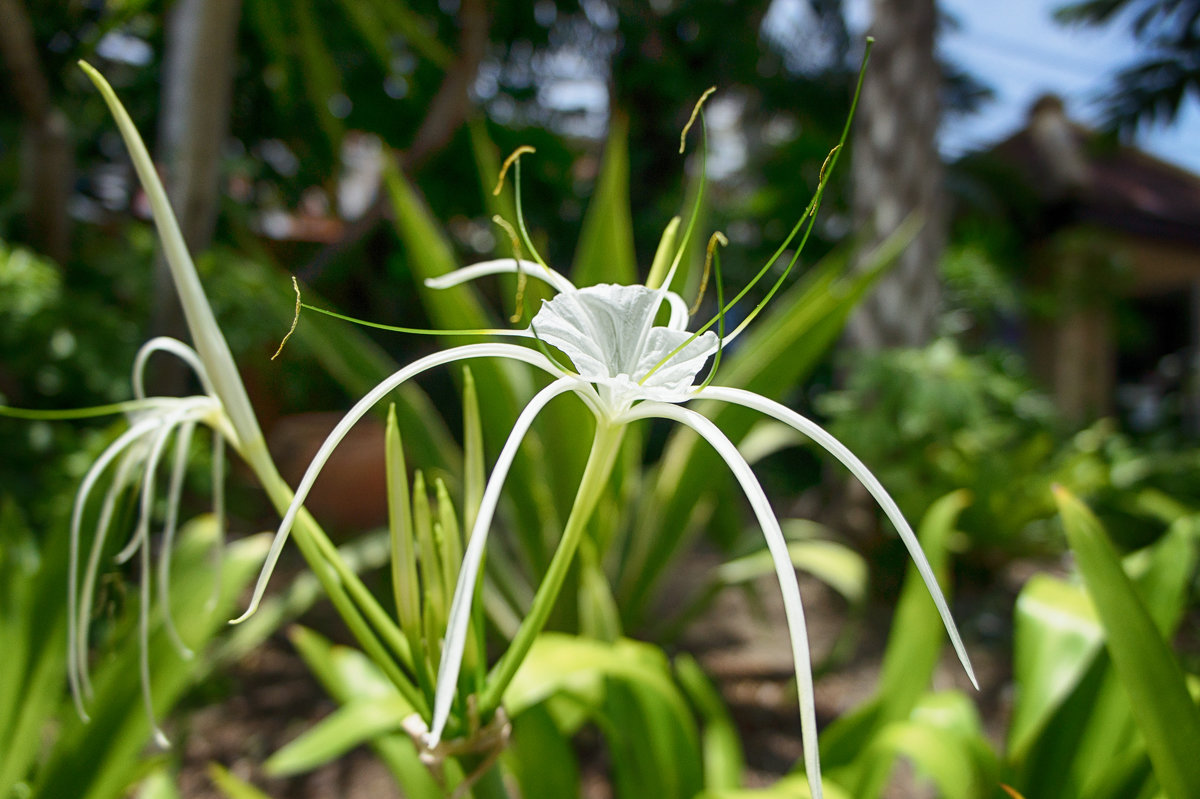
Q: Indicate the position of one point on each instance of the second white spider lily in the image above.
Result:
(627, 367)
(134, 460)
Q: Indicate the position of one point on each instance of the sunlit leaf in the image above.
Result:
(1161, 704)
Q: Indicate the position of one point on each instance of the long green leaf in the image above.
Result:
(945, 740)
(723, 757)
(349, 676)
(605, 253)
(1161, 704)
(1056, 636)
(913, 649)
(99, 759)
(231, 785)
(356, 722)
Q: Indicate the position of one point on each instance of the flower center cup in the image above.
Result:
(609, 334)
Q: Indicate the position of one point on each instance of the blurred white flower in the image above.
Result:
(133, 460)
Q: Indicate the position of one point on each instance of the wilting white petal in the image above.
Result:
(360, 409)
(500, 266)
(777, 545)
(183, 442)
(459, 620)
(218, 510)
(174, 347)
(814, 431)
(144, 647)
(77, 616)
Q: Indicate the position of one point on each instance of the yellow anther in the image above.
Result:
(519, 302)
(716, 238)
(295, 319)
(517, 153)
(825, 163)
(692, 118)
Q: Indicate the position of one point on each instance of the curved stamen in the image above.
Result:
(459, 619)
(784, 571)
(848, 459)
(499, 266)
(419, 331)
(482, 350)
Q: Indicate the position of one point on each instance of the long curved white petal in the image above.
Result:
(175, 347)
(360, 409)
(144, 642)
(218, 511)
(679, 311)
(141, 534)
(460, 606)
(76, 626)
(818, 434)
(130, 460)
(183, 442)
(789, 586)
(500, 266)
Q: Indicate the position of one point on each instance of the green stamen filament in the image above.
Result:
(111, 409)
(810, 214)
(416, 331)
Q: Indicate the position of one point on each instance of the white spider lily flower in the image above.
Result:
(627, 367)
(137, 454)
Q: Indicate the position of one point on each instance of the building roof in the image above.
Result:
(1092, 179)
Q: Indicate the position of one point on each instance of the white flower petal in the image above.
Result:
(77, 616)
(360, 409)
(501, 266)
(183, 442)
(608, 333)
(600, 328)
(174, 347)
(777, 545)
(460, 606)
(814, 431)
(679, 373)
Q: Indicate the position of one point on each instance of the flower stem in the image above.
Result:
(599, 466)
(352, 599)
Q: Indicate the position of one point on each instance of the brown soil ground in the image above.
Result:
(741, 641)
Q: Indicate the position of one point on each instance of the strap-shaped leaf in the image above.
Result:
(1158, 695)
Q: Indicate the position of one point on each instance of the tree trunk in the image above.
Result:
(47, 162)
(897, 172)
(198, 69)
